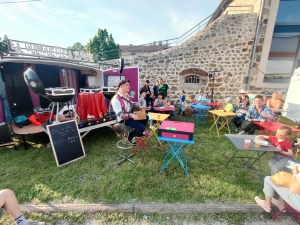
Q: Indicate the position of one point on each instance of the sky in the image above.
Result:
(63, 22)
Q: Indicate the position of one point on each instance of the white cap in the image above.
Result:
(229, 99)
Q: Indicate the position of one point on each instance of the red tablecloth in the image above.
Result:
(92, 104)
(164, 109)
(273, 126)
(214, 103)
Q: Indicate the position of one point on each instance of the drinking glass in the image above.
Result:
(247, 143)
(257, 144)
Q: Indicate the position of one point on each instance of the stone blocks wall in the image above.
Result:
(224, 45)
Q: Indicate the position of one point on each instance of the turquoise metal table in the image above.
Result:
(176, 146)
(200, 113)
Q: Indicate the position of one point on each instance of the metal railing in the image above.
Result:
(157, 46)
(153, 46)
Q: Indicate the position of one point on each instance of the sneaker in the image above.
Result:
(146, 133)
(133, 143)
(151, 127)
(182, 116)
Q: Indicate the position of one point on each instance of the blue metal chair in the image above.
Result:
(200, 114)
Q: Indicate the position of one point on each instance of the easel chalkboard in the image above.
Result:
(66, 142)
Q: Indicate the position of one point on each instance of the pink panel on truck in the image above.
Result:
(130, 73)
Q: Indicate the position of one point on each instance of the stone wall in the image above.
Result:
(224, 45)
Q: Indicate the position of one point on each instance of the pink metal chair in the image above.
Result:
(287, 206)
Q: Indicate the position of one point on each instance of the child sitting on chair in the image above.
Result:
(228, 107)
(280, 141)
(142, 101)
(241, 110)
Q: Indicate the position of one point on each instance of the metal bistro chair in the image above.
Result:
(200, 115)
(124, 145)
(287, 206)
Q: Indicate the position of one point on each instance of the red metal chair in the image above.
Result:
(294, 211)
(141, 144)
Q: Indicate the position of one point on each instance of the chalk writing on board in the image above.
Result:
(63, 131)
(66, 142)
(72, 139)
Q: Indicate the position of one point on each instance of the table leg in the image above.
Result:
(202, 116)
(226, 123)
(176, 152)
(24, 142)
(155, 128)
(216, 118)
(232, 157)
(246, 164)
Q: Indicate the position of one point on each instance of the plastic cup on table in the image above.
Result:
(262, 121)
(257, 144)
(224, 109)
(247, 143)
(158, 116)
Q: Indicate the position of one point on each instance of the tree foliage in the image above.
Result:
(77, 46)
(101, 43)
(3, 44)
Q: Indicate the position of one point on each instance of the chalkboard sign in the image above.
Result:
(66, 142)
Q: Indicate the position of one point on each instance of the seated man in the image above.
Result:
(274, 103)
(123, 106)
(199, 97)
(257, 112)
(9, 203)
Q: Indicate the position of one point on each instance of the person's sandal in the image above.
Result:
(261, 203)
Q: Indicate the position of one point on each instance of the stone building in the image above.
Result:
(238, 42)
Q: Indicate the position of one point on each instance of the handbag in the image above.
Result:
(120, 129)
(141, 114)
(282, 178)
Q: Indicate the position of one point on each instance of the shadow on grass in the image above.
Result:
(34, 176)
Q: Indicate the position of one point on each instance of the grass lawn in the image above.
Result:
(35, 178)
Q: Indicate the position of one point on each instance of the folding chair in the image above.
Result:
(294, 211)
(125, 145)
(141, 144)
(199, 115)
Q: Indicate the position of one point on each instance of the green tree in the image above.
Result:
(77, 46)
(103, 45)
(3, 44)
